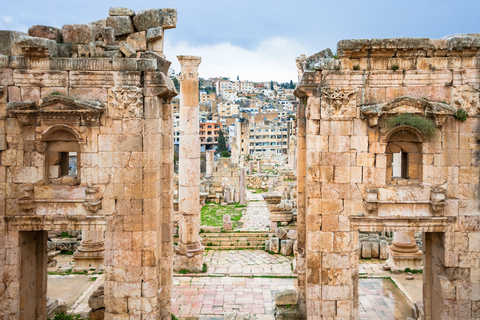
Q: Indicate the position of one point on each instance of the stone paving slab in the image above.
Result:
(248, 262)
(213, 296)
(257, 216)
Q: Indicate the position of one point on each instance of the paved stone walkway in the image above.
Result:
(247, 262)
(211, 297)
(257, 216)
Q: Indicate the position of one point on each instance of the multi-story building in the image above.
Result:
(209, 132)
(227, 109)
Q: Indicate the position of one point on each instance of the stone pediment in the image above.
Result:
(406, 104)
(57, 108)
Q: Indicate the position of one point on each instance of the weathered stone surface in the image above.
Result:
(46, 32)
(154, 34)
(286, 247)
(96, 300)
(383, 250)
(153, 18)
(122, 24)
(292, 234)
(375, 249)
(288, 313)
(281, 233)
(7, 39)
(119, 11)
(78, 33)
(267, 245)
(283, 298)
(108, 35)
(138, 41)
(274, 245)
(127, 50)
(68, 244)
(366, 249)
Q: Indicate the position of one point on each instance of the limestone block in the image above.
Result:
(283, 298)
(375, 249)
(3, 142)
(288, 313)
(366, 250)
(122, 24)
(153, 18)
(154, 34)
(274, 245)
(46, 32)
(68, 244)
(287, 247)
(96, 300)
(78, 33)
(138, 41)
(281, 233)
(108, 35)
(119, 11)
(54, 171)
(7, 38)
(128, 50)
(292, 234)
(155, 45)
(267, 245)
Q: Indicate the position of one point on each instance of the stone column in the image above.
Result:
(210, 162)
(250, 170)
(242, 187)
(259, 166)
(404, 252)
(189, 252)
(91, 251)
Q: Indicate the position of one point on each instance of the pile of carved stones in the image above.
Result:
(286, 305)
(283, 242)
(125, 33)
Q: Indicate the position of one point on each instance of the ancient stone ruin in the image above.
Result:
(86, 144)
(360, 169)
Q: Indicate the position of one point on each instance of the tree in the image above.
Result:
(271, 85)
(176, 83)
(292, 86)
(221, 144)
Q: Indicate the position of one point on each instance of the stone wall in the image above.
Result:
(100, 95)
(344, 185)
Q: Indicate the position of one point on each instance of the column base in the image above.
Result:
(193, 263)
(88, 256)
(399, 261)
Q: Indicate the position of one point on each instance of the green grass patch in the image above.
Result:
(212, 215)
(258, 190)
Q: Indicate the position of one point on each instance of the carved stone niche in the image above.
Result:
(57, 109)
(422, 107)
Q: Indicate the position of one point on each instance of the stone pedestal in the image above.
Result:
(404, 252)
(210, 162)
(90, 253)
(189, 251)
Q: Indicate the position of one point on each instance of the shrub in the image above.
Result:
(204, 268)
(356, 67)
(395, 67)
(461, 114)
(424, 125)
(225, 154)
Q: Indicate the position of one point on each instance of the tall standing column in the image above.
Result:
(189, 252)
(210, 162)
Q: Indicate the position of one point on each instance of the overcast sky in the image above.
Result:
(259, 40)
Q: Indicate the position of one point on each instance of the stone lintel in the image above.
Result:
(417, 224)
(55, 223)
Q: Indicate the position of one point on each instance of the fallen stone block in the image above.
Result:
(375, 249)
(286, 247)
(286, 297)
(274, 245)
(108, 35)
(267, 245)
(138, 41)
(162, 64)
(128, 51)
(366, 250)
(119, 11)
(383, 250)
(122, 24)
(287, 313)
(154, 34)
(153, 18)
(281, 233)
(292, 234)
(46, 32)
(77, 33)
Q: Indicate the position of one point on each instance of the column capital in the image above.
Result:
(189, 61)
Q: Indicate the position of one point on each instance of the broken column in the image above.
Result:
(250, 171)
(90, 253)
(404, 252)
(210, 162)
(189, 252)
(242, 186)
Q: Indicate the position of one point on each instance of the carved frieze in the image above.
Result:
(125, 102)
(338, 103)
(468, 98)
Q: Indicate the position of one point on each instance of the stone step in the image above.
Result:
(228, 243)
(258, 247)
